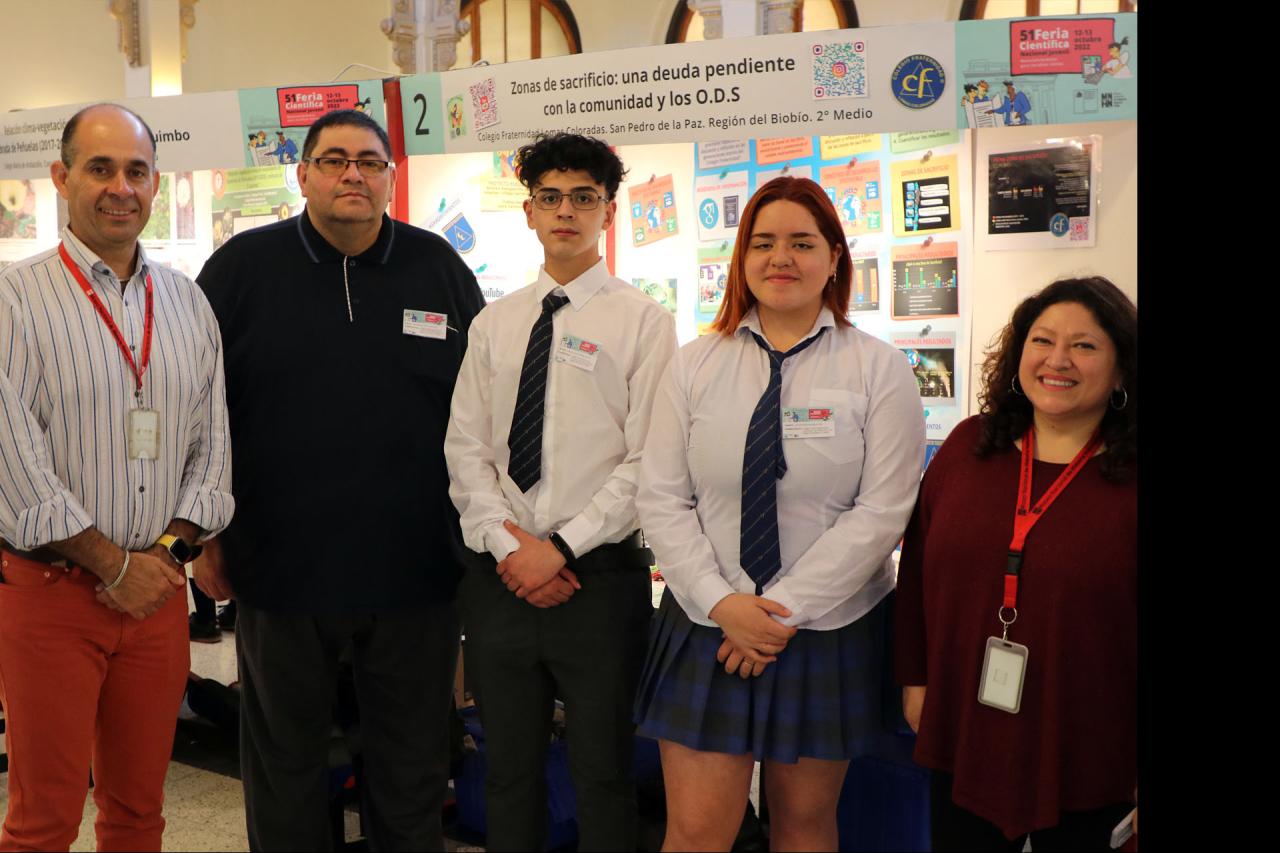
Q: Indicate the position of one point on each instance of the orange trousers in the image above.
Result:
(81, 685)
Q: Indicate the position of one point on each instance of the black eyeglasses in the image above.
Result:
(334, 166)
(580, 199)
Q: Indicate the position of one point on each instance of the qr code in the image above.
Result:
(839, 70)
(1079, 228)
(484, 104)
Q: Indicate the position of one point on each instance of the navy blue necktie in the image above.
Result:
(525, 437)
(763, 464)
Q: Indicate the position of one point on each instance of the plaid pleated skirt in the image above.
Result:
(820, 699)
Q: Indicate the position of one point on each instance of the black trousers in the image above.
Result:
(588, 652)
(403, 663)
(957, 829)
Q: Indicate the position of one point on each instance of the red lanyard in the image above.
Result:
(1027, 516)
(138, 368)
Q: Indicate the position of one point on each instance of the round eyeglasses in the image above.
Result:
(584, 199)
(334, 166)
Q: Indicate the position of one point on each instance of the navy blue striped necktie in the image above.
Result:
(525, 437)
(763, 464)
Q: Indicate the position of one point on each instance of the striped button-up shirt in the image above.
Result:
(66, 390)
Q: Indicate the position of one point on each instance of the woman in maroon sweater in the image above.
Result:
(1056, 758)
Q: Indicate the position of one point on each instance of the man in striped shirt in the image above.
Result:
(114, 462)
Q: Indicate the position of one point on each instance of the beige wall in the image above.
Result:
(64, 51)
(239, 44)
(58, 52)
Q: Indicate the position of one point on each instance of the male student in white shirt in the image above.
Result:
(548, 419)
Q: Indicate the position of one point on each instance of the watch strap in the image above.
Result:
(563, 547)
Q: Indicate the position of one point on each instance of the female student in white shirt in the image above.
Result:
(781, 466)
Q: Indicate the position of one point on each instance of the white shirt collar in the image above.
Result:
(580, 290)
(89, 261)
(751, 322)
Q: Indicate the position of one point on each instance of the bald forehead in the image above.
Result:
(109, 126)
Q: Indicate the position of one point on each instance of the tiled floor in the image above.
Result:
(205, 809)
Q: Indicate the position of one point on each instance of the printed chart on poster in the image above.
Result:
(1043, 195)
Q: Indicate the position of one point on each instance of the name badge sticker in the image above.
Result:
(578, 352)
(808, 422)
(425, 324)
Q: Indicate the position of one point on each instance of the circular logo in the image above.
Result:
(1059, 225)
(839, 69)
(710, 213)
(913, 357)
(918, 81)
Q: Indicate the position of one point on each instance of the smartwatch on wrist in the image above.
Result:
(563, 547)
(181, 552)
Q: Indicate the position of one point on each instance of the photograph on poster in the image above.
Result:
(925, 281)
(1043, 196)
(713, 276)
(719, 199)
(922, 201)
(653, 210)
(932, 357)
(18, 210)
(160, 225)
(854, 189)
(662, 291)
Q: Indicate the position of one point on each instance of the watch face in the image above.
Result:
(181, 551)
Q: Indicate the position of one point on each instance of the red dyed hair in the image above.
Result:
(738, 298)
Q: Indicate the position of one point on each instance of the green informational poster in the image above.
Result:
(247, 198)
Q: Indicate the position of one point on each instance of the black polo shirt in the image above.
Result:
(338, 423)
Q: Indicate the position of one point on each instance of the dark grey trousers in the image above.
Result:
(404, 662)
(588, 652)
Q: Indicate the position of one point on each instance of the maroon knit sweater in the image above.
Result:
(1072, 745)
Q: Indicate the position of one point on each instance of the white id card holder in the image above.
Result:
(1003, 669)
(144, 434)
(808, 422)
(425, 324)
(578, 352)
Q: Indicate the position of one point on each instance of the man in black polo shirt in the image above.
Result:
(343, 332)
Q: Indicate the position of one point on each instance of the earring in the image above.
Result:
(1013, 385)
(1124, 402)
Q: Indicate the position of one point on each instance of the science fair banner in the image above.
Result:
(798, 84)
(1075, 68)
(911, 78)
(191, 131)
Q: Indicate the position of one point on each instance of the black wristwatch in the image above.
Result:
(181, 552)
(564, 549)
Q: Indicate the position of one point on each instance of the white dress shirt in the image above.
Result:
(844, 501)
(66, 390)
(595, 421)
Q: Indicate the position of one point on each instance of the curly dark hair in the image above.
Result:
(566, 151)
(1006, 415)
